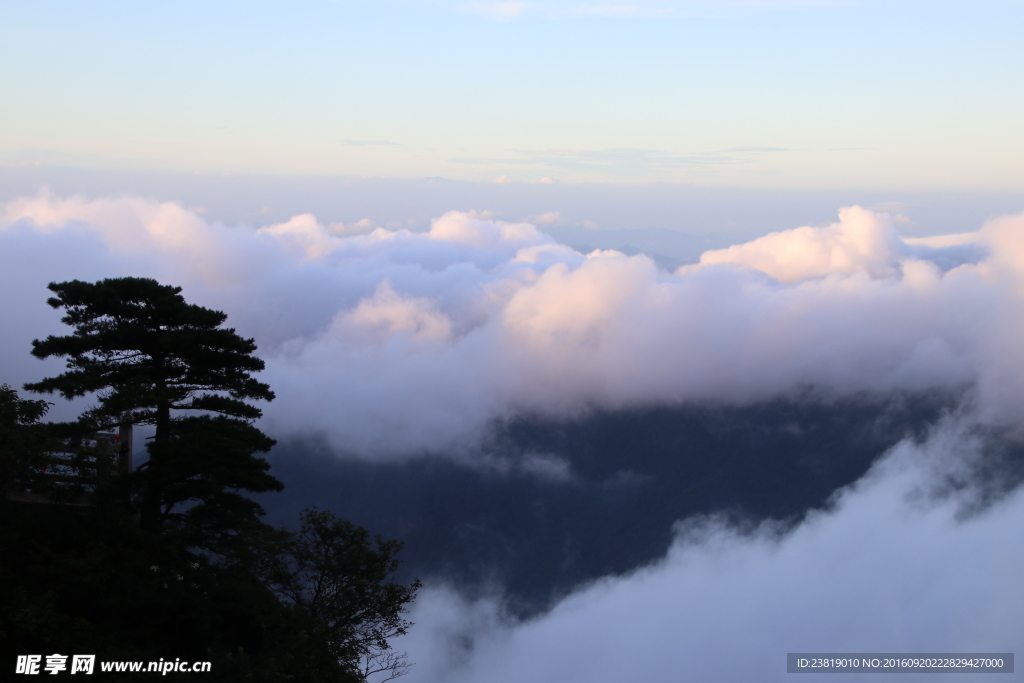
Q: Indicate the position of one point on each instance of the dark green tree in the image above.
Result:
(196, 575)
(338, 584)
(150, 358)
(22, 439)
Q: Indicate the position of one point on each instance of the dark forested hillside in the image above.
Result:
(564, 502)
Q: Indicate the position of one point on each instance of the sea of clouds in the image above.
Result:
(391, 344)
(892, 568)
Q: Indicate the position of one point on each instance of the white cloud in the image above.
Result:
(387, 314)
(548, 218)
(886, 570)
(302, 234)
(485, 233)
(392, 342)
(860, 241)
(360, 227)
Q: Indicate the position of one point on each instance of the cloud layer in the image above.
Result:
(391, 343)
(394, 343)
(890, 569)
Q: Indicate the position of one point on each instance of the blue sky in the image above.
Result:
(748, 94)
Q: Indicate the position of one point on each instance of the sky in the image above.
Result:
(439, 217)
(781, 94)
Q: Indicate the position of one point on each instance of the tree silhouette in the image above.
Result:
(190, 569)
(150, 358)
(22, 442)
(337, 582)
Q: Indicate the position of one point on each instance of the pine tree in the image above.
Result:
(339, 585)
(150, 358)
(22, 441)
